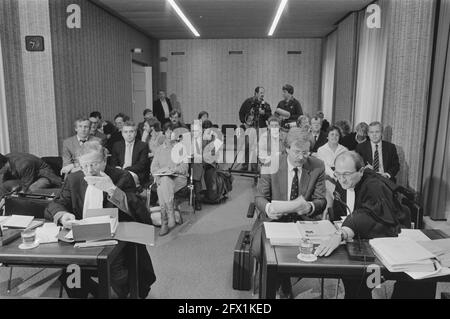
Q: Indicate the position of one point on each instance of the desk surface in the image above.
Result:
(336, 265)
(55, 254)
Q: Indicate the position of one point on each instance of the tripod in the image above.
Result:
(255, 111)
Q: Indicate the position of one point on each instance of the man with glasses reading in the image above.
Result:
(299, 182)
(373, 213)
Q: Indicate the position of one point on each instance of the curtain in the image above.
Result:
(328, 75)
(4, 135)
(372, 53)
(436, 167)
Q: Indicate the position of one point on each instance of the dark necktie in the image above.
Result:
(376, 159)
(294, 187)
(82, 142)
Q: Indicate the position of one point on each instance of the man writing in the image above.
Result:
(25, 172)
(380, 155)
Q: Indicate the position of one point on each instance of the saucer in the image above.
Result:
(33, 245)
(307, 258)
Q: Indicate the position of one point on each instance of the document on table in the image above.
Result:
(48, 233)
(18, 221)
(97, 220)
(414, 234)
(282, 234)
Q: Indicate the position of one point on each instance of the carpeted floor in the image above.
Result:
(195, 260)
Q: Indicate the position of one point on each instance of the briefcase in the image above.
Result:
(27, 204)
(243, 262)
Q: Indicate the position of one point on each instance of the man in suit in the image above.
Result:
(100, 186)
(148, 114)
(72, 144)
(162, 107)
(380, 155)
(319, 136)
(131, 154)
(95, 124)
(26, 171)
(299, 181)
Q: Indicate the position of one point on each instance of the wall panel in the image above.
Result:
(93, 65)
(208, 78)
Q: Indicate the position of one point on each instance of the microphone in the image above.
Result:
(337, 197)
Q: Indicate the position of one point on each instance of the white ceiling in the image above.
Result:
(223, 19)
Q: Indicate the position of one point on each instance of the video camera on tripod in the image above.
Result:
(252, 118)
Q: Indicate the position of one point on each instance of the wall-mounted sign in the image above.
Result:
(34, 43)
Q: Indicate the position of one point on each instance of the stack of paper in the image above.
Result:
(48, 233)
(18, 221)
(291, 234)
(97, 220)
(283, 234)
(316, 231)
(402, 254)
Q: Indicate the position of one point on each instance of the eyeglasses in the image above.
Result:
(346, 174)
(94, 165)
(302, 153)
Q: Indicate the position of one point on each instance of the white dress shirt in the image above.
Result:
(93, 199)
(380, 155)
(327, 155)
(291, 174)
(128, 160)
(165, 108)
(350, 200)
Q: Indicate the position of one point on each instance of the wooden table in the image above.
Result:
(60, 255)
(282, 260)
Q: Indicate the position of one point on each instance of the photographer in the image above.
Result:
(255, 111)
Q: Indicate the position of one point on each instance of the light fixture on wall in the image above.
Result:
(137, 50)
(183, 17)
(277, 17)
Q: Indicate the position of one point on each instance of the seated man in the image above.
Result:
(131, 154)
(72, 144)
(375, 213)
(299, 181)
(111, 187)
(381, 155)
(26, 171)
(96, 121)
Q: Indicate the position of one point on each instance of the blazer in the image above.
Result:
(391, 163)
(158, 110)
(311, 186)
(140, 164)
(71, 199)
(322, 139)
(71, 147)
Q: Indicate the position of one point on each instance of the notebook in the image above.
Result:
(18, 221)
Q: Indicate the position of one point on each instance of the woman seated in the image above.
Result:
(328, 153)
(152, 135)
(170, 177)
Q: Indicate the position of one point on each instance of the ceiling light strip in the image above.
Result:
(277, 17)
(183, 17)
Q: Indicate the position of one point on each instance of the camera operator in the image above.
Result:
(255, 111)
